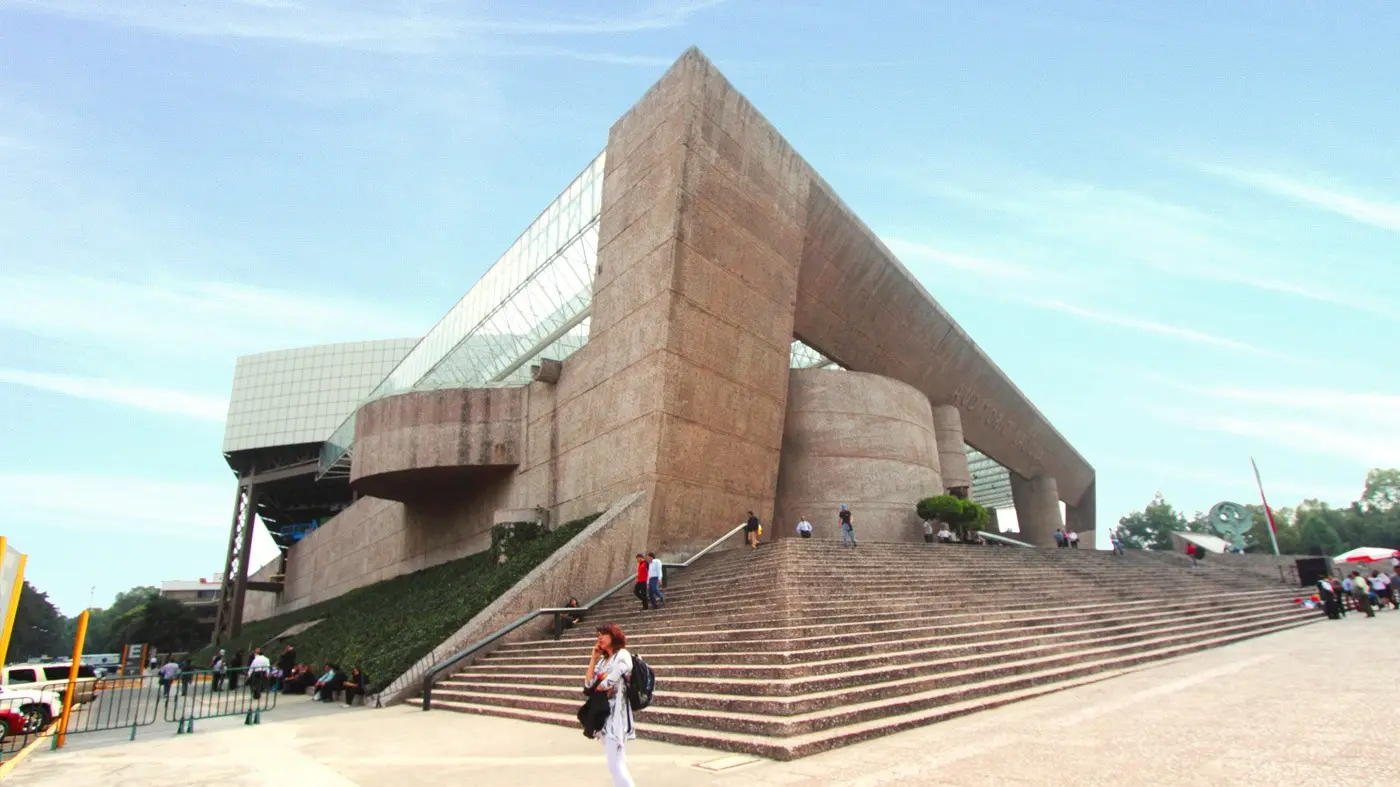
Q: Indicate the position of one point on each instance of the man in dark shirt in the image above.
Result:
(751, 531)
(288, 660)
(848, 530)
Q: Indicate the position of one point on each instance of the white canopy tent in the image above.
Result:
(1367, 555)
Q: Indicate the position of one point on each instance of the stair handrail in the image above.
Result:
(430, 677)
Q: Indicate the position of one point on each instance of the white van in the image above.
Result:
(50, 679)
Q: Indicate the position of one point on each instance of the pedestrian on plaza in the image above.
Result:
(186, 675)
(1060, 540)
(751, 528)
(654, 571)
(168, 672)
(1330, 607)
(640, 588)
(609, 669)
(928, 532)
(804, 528)
(218, 668)
(1380, 590)
(288, 660)
(1116, 541)
(1073, 539)
(1361, 591)
(1191, 552)
(848, 528)
(259, 670)
(235, 667)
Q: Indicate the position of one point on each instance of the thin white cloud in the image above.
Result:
(1366, 407)
(911, 251)
(204, 319)
(390, 28)
(1369, 446)
(1364, 210)
(154, 399)
(116, 506)
(1148, 326)
(1106, 228)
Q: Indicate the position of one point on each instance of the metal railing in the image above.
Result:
(560, 613)
(205, 694)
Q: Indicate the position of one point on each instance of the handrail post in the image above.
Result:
(558, 626)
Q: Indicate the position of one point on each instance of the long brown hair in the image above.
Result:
(615, 635)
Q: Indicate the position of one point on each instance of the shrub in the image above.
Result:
(385, 628)
(963, 516)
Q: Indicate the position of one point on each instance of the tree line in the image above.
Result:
(139, 615)
(1373, 520)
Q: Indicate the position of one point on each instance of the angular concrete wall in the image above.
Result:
(411, 443)
(859, 439)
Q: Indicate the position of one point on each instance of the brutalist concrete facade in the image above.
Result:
(718, 245)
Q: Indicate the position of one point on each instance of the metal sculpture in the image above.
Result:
(1231, 521)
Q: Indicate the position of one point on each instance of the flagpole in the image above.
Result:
(1268, 512)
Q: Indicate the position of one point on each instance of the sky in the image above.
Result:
(1176, 229)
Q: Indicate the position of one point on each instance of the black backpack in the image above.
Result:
(641, 685)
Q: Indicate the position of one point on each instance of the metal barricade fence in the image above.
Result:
(204, 694)
(100, 704)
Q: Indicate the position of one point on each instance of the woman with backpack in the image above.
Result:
(608, 672)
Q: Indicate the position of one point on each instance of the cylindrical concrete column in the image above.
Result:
(859, 439)
(952, 457)
(1037, 508)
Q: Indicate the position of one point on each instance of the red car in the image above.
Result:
(12, 722)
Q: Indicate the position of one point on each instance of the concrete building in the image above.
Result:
(201, 595)
(697, 318)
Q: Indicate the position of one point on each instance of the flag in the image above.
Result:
(1268, 512)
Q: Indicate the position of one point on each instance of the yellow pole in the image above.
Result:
(14, 606)
(72, 679)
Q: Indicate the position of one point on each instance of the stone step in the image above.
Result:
(935, 662)
(889, 715)
(903, 609)
(878, 625)
(799, 651)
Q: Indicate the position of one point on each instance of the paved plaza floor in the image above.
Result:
(1287, 709)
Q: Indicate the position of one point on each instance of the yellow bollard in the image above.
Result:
(72, 680)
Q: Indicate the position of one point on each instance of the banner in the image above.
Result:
(11, 582)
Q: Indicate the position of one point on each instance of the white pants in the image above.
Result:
(617, 763)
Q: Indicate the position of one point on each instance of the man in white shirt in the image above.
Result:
(804, 528)
(945, 536)
(928, 532)
(258, 670)
(654, 581)
(1073, 539)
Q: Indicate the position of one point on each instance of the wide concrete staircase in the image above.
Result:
(804, 646)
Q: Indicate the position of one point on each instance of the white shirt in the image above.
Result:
(1071, 535)
(804, 526)
(260, 663)
(928, 528)
(1380, 583)
(945, 533)
(654, 569)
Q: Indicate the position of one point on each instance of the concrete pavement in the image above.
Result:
(1283, 709)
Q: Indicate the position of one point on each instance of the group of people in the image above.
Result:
(260, 675)
(1066, 538)
(804, 528)
(648, 586)
(1359, 593)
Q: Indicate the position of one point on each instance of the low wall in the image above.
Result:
(592, 562)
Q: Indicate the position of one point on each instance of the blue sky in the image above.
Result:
(1176, 230)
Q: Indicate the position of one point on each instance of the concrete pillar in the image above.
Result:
(952, 458)
(1037, 508)
(993, 526)
(1080, 517)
